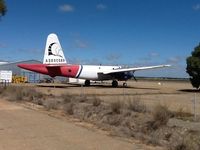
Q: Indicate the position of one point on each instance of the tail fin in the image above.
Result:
(53, 51)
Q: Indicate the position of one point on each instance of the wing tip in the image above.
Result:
(168, 65)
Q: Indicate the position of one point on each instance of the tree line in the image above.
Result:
(3, 8)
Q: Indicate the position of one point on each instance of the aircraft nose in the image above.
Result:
(21, 65)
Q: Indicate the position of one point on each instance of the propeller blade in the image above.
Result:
(134, 78)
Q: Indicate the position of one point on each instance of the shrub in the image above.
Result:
(16, 93)
(50, 104)
(96, 102)
(180, 113)
(188, 142)
(81, 99)
(136, 105)
(68, 108)
(161, 115)
(13, 93)
(38, 101)
(114, 120)
(67, 98)
(116, 107)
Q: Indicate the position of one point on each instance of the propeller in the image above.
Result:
(134, 76)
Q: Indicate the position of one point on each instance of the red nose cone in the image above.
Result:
(39, 68)
(25, 66)
(20, 65)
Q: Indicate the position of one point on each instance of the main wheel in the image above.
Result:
(114, 83)
(87, 82)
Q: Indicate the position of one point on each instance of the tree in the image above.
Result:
(3, 8)
(193, 67)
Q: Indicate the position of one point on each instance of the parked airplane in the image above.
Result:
(55, 64)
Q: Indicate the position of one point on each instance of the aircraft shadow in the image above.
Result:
(56, 86)
(93, 85)
(121, 87)
(189, 90)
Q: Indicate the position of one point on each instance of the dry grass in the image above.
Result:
(38, 101)
(161, 115)
(188, 142)
(182, 114)
(96, 101)
(66, 98)
(116, 107)
(68, 108)
(15, 93)
(50, 104)
(125, 119)
(136, 105)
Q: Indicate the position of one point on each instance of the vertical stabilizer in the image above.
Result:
(53, 51)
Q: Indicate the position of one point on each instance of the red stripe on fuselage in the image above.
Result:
(62, 70)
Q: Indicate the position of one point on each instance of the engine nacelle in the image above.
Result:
(123, 76)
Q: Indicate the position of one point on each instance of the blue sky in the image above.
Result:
(128, 32)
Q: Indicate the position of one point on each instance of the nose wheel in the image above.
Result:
(114, 83)
(124, 84)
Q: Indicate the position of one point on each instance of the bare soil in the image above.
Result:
(34, 129)
(176, 96)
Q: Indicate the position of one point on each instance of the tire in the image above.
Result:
(87, 82)
(114, 83)
(124, 84)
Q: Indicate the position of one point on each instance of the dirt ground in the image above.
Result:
(24, 128)
(175, 94)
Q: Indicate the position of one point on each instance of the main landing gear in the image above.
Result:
(87, 82)
(115, 83)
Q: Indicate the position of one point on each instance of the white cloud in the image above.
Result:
(113, 57)
(66, 8)
(101, 6)
(81, 44)
(78, 41)
(150, 57)
(153, 54)
(196, 7)
(92, 61)
(29, 51)
(174, 60)
(2, 45)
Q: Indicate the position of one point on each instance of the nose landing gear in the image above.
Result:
(124, 84)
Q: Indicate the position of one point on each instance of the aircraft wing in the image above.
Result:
(134, 69)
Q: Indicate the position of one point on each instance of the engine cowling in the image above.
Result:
(123, 76)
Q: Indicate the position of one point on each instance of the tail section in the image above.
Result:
(53, 51)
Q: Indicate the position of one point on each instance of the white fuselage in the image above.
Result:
(92, 72)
